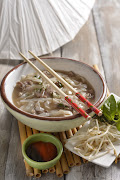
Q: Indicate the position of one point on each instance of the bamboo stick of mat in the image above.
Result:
(75, 157)
(51, 170)
(28, 131)
(59, 171)
(78, 127)
(23, 136)
(37, 172)
(74, 130)
(63, 162)
(68, 154)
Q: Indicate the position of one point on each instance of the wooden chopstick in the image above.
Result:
(83, 99)
(74, 105)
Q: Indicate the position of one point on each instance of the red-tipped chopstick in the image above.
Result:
(74, 105)
(83, 99)
(91, 106)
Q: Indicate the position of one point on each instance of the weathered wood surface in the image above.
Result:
(98, 42)
(107, 22)
(85, 46)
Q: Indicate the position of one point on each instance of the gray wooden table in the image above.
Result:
(98, 42)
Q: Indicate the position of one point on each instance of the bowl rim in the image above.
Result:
(45, 135)
(15, 108)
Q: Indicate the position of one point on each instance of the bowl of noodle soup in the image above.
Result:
(32, 101)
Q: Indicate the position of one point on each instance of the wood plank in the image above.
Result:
(84, 47)
(5, 122)
(5, 131)
(15, 168)
(107, 22)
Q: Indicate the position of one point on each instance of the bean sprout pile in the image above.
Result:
(96, 140)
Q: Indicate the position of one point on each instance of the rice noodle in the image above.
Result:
(36, 99)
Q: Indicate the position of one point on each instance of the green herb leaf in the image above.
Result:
(60, 105)
(109, 108)
(111, 112)
(118, 108)
(112, 106)
(118, 125)
(63, 106)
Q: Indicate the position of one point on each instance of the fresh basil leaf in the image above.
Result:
(112, 106)
(109, 107)
(118, 108)
(116, 117)
(112, 102)
(101, 108)
(118, 125)
(106, 112)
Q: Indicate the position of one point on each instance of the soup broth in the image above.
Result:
(34, 95)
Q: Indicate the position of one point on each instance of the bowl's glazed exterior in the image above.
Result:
(52, 124)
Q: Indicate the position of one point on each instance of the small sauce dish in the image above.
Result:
(45, 139)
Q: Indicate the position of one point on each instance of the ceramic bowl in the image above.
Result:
(45, 138)
(52, 124)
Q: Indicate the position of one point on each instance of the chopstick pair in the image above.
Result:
(83, 99)
(69, 100)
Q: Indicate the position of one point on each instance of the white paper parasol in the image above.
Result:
(39, 25)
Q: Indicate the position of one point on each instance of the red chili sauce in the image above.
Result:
(41, 151)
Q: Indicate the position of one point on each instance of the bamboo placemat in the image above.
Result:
(68, 159)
